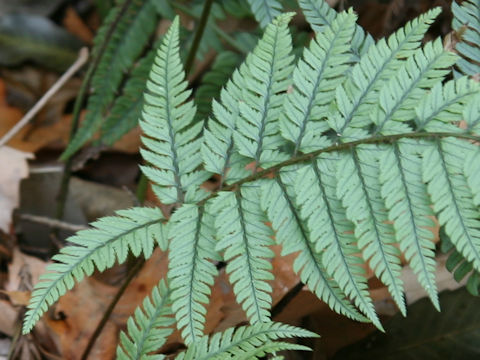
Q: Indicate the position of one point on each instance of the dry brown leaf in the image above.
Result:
(14, 168)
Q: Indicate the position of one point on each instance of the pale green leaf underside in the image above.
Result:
(109, 241)
(148, 328)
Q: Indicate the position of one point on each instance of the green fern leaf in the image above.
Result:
(331, 232)
(265, 10)
(452, 199)
(315, 79)
(172, 145)
(125, 32)
(466, 22)
(218, 152)
(399, 96)
(149, 328)
(244, 238)
(381, 62)
(320, 15)
(212, 82)
(246, 342)
(446, 104)
(410, 210)
(266, 77)
(110, 239)
(127, 109)
(359, 189)
(291, 232)
(190, 271)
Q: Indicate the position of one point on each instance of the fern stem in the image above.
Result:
(226, 37)
(339, 147)
(106, 315)
(198, 35)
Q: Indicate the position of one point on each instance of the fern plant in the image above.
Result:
(348, 154)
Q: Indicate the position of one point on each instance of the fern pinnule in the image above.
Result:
(172, 145)
(243, 342)
(445, 104)
(265, 11)
(319, 15)
(266, 78)
(382, 60)
(410, 210)
(451, 197)
(190, 271)
(110, 239)
(399, 96)
(261, 80)
(315, 78)
(278, 200)
(125, 32)
(148, 328)
(359, 189)
(245, 239)
(332, 232)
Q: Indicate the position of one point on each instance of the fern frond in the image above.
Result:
(246, 342)
(265, 11)
(451, 197)
(410, 210)
(315, 79)
(127, 108)
(126, 31)
(359, 189)
(331, 232)
(172, 145)
(212, 82)
(291, 232)
(266, 77)
(445, 104)
(149, 328)
(245, 239)
(261, 79)
(381, 62)
(190, 271)
(466, 22)
(320, 15)
(137, 229)
(398, 97)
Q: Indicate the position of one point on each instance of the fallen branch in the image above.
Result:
(53, 223)
(82, 58)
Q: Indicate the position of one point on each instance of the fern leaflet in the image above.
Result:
(243, 343)
(137, 229)
(149, 328)
(190, 272)
(265, 10)
(172, 145)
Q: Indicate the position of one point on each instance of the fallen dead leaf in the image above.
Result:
(14, 168)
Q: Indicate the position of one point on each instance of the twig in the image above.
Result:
(133, 272)
(81, 60)
(198, 36)
(53, 223)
